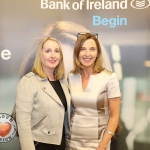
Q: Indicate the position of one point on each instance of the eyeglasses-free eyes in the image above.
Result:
(83, 33)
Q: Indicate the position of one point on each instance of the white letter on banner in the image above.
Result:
(6, 54)
(66, 5)
(123, 4)
(81, 4)
(75, 5)
(44, 4)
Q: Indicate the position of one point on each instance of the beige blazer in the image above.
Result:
(40, 113)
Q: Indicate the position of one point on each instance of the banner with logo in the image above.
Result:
(123, 28)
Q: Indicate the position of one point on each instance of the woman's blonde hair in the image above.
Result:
(59, 72)
(65, 32)
(98, 66)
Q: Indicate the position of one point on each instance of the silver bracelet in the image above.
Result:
(110, 132)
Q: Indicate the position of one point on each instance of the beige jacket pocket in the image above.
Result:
(49, 131)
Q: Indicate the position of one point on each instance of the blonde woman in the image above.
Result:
(95, 96)
(43, 100)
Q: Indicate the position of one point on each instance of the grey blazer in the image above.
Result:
(40, 114)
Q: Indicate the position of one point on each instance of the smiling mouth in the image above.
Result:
(52, 61)
(87, 58)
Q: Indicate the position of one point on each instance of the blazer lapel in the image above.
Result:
(47, 88)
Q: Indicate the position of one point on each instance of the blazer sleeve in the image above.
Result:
(24, 105)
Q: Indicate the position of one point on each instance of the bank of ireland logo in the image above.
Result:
(140, 4)
(8, 128)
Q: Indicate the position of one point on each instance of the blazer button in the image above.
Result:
(48, 132)
(44, 88)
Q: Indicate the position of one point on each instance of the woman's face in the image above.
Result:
(88, 53)
(51, 55)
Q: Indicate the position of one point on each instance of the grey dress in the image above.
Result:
(91, 110)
